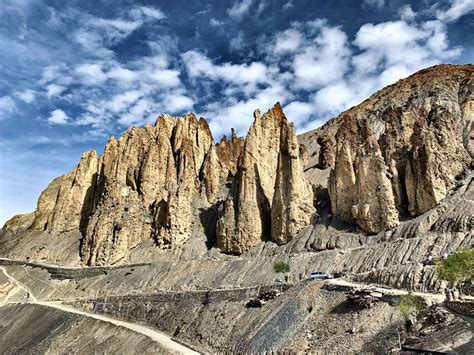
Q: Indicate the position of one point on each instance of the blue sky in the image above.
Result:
(72, 73)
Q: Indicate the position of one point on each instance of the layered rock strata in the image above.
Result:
(270, 197)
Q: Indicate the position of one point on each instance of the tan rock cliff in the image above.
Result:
(269, 172)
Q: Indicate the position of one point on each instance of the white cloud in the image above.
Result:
(7, 105)
(91, 73)
(239, 9)
(27, 96)
(120, 102)
(53, 90)
(324, 62)
(299, 112)
(287, 41)
(97, 35)
(288, 5)
(374, 3)
(457, 9)
(406, 13)
(142, 111)
(198, 65)
(389, 43)
(438, 40)
(398, 48)
(152, 12)
(58, 117)
(239, 113)
(166, 78)
(120, 74)
(215, 23)
(238, 43)
(334, 98)
(177, 103)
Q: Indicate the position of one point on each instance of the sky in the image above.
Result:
(73, 73)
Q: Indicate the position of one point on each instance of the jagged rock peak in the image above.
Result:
(142, 186)
(149, 179)
(228, 152)
(270, 196)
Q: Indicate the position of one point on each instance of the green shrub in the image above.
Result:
(411, 307)
(458, 267)
(281, 266)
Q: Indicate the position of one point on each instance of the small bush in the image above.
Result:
(458, 267)
(412, 307)
(281, 266)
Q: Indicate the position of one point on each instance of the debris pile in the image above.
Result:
(364, 297)
(262, 299)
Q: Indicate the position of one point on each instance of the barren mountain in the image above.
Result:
(369, 195)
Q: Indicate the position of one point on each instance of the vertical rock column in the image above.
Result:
(248, 215)
(292, 206)
(358, 185)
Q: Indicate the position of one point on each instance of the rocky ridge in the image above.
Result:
(395, 156)
(270, 195)
(145, 184)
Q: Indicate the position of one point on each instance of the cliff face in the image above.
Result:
(145, 185)
(270, 197)
(400, 152)
(359, 187)
(395, 156)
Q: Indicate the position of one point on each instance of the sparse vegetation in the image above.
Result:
(281, 266)
(458, 267)
(412, 308)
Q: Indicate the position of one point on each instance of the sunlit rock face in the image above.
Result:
(393, 157)
(400, 152)
(270, 197)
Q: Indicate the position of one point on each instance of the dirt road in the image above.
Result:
(161, 338)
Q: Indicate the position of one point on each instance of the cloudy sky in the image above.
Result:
(72, 73)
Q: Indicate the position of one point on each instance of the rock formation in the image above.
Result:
(327, 152)
(419, 132)
(270, 196)
(358, 185)
(228, 152)
(148, 180)
(397, 155)
(292, 206)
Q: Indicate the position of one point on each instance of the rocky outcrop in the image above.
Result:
(358, 185)
(292, 207)
(419, 127)
(438, 158)
(423, 155)
(74, 201)
(228, 153)
(327, 152)
(270, 196)
(148, 181)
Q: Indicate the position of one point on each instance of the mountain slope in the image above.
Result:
(390, 159)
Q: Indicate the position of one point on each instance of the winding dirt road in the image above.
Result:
(161, 338)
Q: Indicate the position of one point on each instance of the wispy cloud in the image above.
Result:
(456, 10)
(240, 9)
(58, 117)
(7, 105)
(27, 96)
